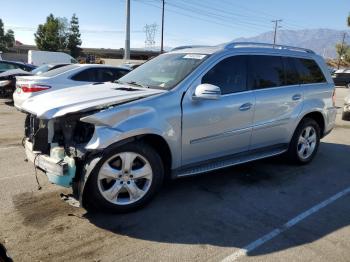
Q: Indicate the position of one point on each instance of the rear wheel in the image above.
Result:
(305, 142)
(126, 178)
(348, 85)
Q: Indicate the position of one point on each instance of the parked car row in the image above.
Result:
(186, 112)
(8, 78)
(70, 76)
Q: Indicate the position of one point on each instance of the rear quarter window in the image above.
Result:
(309, 71)
(87, 75)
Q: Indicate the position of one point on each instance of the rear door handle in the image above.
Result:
(245, 106)
(296, 97)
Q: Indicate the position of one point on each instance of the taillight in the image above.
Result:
(33, 88)
(333, 98)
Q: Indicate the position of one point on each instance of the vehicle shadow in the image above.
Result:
(235, 206)
(7, 101)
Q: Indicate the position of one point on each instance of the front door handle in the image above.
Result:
(296, 97)
(245, 106)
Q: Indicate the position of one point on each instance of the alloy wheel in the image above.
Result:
(307, 142)
(125, 178)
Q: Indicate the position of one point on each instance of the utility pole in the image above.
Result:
(162, 37)
(341, 49)
(127, 32)
(276, 27)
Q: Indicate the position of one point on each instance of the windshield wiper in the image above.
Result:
(136, 84)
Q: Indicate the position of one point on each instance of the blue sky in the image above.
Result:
(102, 22)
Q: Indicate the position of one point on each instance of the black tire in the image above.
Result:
(345, 116)
(95, 199)
(292, 153)
(347, 85)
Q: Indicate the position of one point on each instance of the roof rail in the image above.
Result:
(187, 46)
(266, 45)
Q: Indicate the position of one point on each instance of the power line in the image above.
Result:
(201, 16)
(229, 14)
(221, 17)
(87, 31)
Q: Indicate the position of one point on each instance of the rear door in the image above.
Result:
(279, 99)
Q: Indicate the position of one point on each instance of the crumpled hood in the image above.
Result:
(83, 98)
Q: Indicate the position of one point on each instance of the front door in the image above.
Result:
(216, 128)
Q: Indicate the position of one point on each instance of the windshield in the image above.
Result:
(41, 69)
(164, 71)
(59, 70)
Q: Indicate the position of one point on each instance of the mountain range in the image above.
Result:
(322, 41)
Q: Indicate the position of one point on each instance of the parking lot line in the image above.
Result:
(257, 243)
(10, 177)
(9, 147)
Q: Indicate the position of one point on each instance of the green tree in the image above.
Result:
(6, 39)
(349, 20)
(2, 32)
(74, 40)
(343, 51)
(9, 38)
(52, 36)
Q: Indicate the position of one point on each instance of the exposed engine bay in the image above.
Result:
(58, 145)
(67, 132)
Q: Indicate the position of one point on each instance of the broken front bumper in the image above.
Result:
(58, 171)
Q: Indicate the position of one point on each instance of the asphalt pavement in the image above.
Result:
(266, 210)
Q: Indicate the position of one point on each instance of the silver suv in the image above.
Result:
(182, 113)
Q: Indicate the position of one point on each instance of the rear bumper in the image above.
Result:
(331, 115)
(58, 171)
(19, 98)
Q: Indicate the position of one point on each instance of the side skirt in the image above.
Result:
(227, 161)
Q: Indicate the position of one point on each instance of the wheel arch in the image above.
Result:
(318, 117)
(153, 140)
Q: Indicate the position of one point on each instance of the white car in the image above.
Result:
(64, 77)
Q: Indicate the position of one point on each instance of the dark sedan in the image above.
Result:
(8, 65)
(341, 77)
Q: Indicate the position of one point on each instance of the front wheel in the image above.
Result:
(305, 142)
(125, 178)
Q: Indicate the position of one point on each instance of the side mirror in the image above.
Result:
(207, 92)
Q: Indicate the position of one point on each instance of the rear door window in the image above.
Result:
(230, 75)
(87, 75)
(118, 73)
(110, 74)
(105, 75)
(309, 71)
(291, 72)
(266, 71)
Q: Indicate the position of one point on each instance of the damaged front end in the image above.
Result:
(57, 146)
